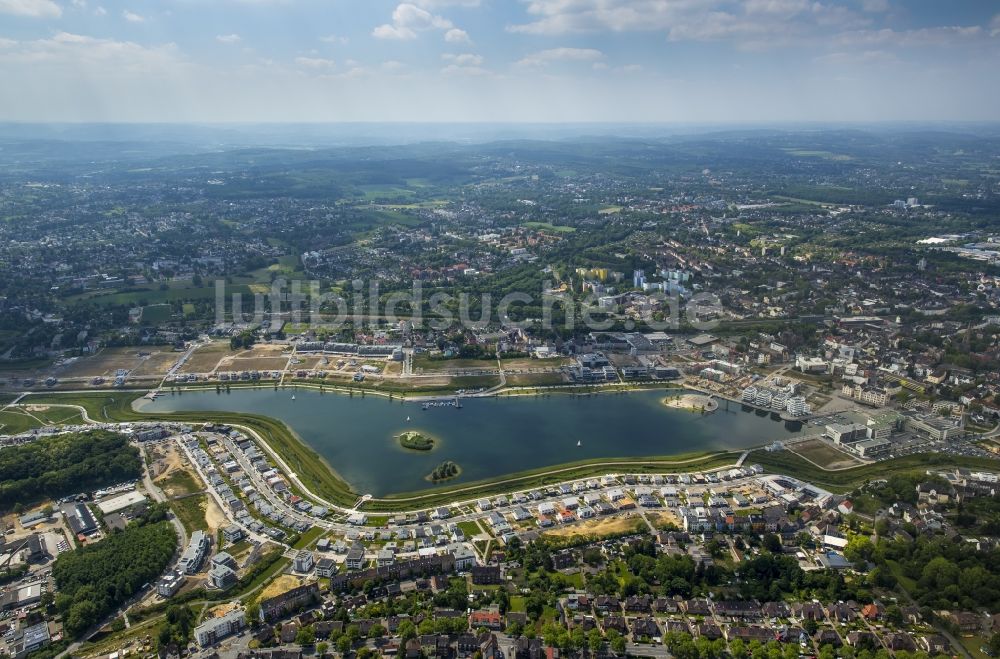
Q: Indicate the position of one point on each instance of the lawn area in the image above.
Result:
(179, 483)
(973, 645)
(907, 583)
(19, 419)
(156, 314)
(788, 463)
(190, 511)
(426, 363)
(517, 604)
(13, 422)
(307, 539)
(549, 227)
(470, 529)
(820, 452)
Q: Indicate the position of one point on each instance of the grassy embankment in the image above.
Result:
(844, 480)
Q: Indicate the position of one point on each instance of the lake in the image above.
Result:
(487, 437)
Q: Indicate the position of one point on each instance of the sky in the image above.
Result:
(565, 61)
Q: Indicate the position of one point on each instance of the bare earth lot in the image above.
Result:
(153, 362)
(595, 527)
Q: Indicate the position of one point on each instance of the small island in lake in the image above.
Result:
(415, 441)
(444, 472)
(697, 403)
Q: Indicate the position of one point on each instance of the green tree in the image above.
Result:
(306, 636)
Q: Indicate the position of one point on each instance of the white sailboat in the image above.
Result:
(293, 396)
(579, 443)
(407, 418)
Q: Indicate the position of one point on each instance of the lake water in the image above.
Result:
(487, 437)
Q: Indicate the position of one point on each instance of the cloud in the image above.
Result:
(77, 52)
(455, 35)
(435, 4)
(228, 39)
(7, 43)
(931, 36)
(409, 19)
(544, 57)
(995, 26)
(335, 39)
(100, 11)
(132, 17)
(753, 22)
(464, 59)
(317, 63)
(31, 8)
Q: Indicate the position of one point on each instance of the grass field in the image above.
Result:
(820, 452)
(425, 363)
(178, 483)
(190, 510)
(13, 422)
(149, 296)
(536, 379)
(844, 480)
(549, 227)
(156, 314)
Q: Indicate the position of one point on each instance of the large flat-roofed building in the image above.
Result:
(80, 519)
(212, 631)
(194, 553)
(276, 607)
(872, 448)
(874, 396)
(845, 433)
(883, 424)
(170, 583)
(120, 502)
(29, 639)
(935, 427)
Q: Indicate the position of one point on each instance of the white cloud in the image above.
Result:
(752, 22)
(931, 36)
(317, 63)
(995, 26)
(543, 57)
(228, 39)
(335, 39)
(77, 52)
(32, 8)
(100, 11)
(409, 19)
(399, 33)
(464, 59)
(456, 35)
(464, 64)
(132, 17)
(434, 4)
(7, 43)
